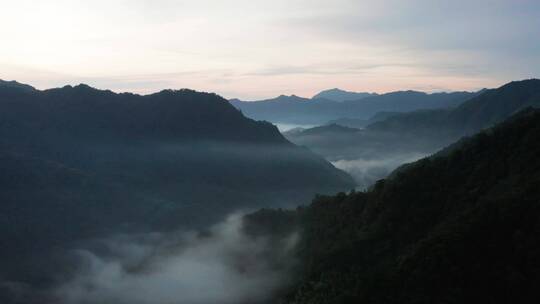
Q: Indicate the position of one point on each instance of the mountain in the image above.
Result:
(341, 95)
(362, 123)
(318, 111)
(15, 84)
(77, 162)
(45, 206)
(168, 115)
(328, 130)
(494, 106)
(383, 145)
(484, 110)
(286, 109)
(458, 227)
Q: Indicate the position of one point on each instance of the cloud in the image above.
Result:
(368, 170)
(224, 265)
(299, 47)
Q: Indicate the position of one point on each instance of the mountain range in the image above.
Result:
(401, 137)
(317, 111)
(457, 223)
(77, 162)
(342, 95)
(460, 226)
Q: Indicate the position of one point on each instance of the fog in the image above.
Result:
(367, 155)
(284, 127)
(146, 187)
(221, 265)
(366, 171)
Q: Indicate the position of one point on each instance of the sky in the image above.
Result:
(253, 49)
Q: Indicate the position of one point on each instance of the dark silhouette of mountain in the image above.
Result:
(362, 123)
(297, 110)
(484, 110)
(78, 162)
(286, 109)
(45, 205)
(341, 95)
(328, 130)
(458, 227)
(176, 115)
(15, 84)
(406, 136)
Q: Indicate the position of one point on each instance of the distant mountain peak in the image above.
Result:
(521, 83)
(340, 95)
(83, 86)
(15, 84)
(336, 90)
(287, 98)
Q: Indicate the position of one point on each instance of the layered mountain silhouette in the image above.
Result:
(303, 111)
(405, 136)
(458, 227)
(362, 123)
(78, 162)
(342, 95)
(490, 107)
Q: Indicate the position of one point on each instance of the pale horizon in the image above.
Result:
(255, 50)
(259, 99)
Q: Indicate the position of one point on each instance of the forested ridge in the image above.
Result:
(461, 226)
(78, 163)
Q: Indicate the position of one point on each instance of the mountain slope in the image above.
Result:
(410, 135)
(328, 130)
(15, 84)
(79, 162)
(341, 95)
(178, 115)
(484, 110)
(286, 109)
(171, 139)
(296, 110)
(496, 105)
(362, 123)
(459, 227)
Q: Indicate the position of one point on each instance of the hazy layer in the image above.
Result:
(223, 264)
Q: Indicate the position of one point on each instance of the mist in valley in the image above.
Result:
(221, 264)
(365, 154)
(78, 163)
(284, 127)
(367, 171)
(269, 152)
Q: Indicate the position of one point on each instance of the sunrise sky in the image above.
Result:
(260, 49)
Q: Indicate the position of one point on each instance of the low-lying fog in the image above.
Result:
(367, 171)
(221, 265)
(366, 155)
(284, 127)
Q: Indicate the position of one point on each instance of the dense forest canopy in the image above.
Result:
(460, 226)
(457, 226)
(78, 162)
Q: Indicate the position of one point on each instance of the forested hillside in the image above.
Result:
(403, 137)
(461, 226)
(78, 162)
